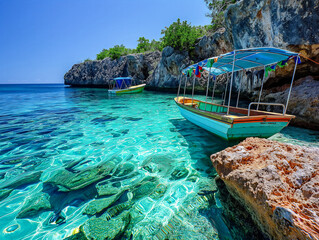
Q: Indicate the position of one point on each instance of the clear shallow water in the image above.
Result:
(44, 129)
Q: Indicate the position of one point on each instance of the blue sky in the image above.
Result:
(41, 39)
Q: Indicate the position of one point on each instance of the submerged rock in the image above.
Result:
(35, 205)
(4, 193)
(179, 172)
(113, 186)
(116, 210)
(69, 181)
(277, 183)
(144, 188)
(123, 169)
(22, 180)
(159, 191)
(58, 219)
(98, 205)
(162, 164)
(99, 228)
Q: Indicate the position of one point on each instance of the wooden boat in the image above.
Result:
(123, 85)
(233, 122)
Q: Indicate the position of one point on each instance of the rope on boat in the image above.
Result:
(309, 59)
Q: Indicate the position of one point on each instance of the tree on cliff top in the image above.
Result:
(181, 35)
(115, 52)
(145, 45)
(217, 8)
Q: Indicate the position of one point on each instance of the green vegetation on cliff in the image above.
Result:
(182, 36)
(217, 8)
(179, 35)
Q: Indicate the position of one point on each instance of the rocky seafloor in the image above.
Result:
(277, 183)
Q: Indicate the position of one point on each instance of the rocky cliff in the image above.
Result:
(277, 183)
(97, 73)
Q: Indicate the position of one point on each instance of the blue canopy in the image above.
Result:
(123, 82)
(244, 59)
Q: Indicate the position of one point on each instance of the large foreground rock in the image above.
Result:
(277, 183)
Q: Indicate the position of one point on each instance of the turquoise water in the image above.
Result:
(134, 151)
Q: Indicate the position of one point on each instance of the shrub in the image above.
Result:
(115, 52)
(181, 35)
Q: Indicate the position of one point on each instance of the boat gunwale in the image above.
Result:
(231, 119)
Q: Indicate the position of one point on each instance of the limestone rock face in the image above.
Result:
(168, 70)
(277, 183)
(213, 45)
(304, 102)
(273, 23)
(97, 73)
(284, 24)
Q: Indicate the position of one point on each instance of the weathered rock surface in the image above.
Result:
(277, 183)
(304, 102)
(167, 72)
(97, 73)
(35, 205)
(284, 24)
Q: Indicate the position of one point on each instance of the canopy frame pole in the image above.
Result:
(214, 88)
(207, 87)
(185, 88)
(193, 89)
(238, 93)
(292, 81)
(225, 94)
(231, 82)
(179, 85)
(261, 89)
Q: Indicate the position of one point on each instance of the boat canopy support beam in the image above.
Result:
(194, 79)
(215, 81)
(231, 82)
(179, 85)
(238, 93)
(292, 81)
(261, 89)
(225, 94)
(185, 90)
(207, 86)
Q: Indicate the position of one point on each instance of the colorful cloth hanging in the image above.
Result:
(210, 63)
(198, 71)
(189, 72)
(297, 58)
(282, 63)
(269, 69)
